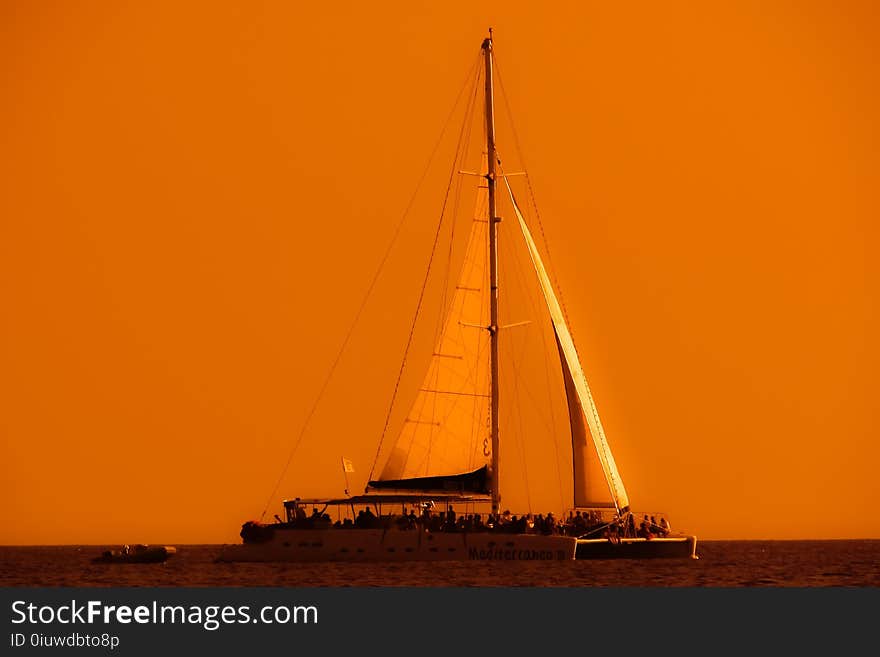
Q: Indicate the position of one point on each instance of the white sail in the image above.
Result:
(447, 428)
(590, 488)
(577, 387)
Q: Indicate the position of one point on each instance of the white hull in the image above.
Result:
(400, 545)
(677, 547)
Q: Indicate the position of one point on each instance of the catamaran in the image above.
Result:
(447, 454)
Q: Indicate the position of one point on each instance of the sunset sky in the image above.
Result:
(194, 197)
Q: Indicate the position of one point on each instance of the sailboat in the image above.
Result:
(446, 458)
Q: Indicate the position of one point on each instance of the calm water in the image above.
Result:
(721, 563)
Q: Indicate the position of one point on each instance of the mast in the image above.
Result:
(493, 272)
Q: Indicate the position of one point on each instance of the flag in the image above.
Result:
(347, 465)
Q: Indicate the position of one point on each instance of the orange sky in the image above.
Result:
(193, 197)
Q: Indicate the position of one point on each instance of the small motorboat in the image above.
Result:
(137, 554)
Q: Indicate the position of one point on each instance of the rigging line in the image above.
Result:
(454, 333)
(516, 355)
(468, 378)
(519, 269)
(536, 302)
(441, 328)
(517, 283)
(521, 441)
(451, 410)
(480, 246)
(455, 407)
(522, 158)
(479, 429)
(421, 293)
(462, 154)
(369, 291)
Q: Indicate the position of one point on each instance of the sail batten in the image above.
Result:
(582, 407)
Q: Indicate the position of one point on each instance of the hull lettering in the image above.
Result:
(498, 554)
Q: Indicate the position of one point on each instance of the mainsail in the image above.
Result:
(446, 431)
(582, 409)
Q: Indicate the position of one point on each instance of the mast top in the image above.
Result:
(487, 42)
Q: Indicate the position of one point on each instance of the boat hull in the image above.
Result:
(398, 545)
(676, 547)
(156, 554)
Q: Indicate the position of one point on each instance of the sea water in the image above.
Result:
(721, 563)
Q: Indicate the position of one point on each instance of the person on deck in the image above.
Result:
(298, 512)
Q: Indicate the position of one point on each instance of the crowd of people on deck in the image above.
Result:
(589, 524)
(626, 528)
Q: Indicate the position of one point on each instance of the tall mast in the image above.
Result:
(493, 271)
